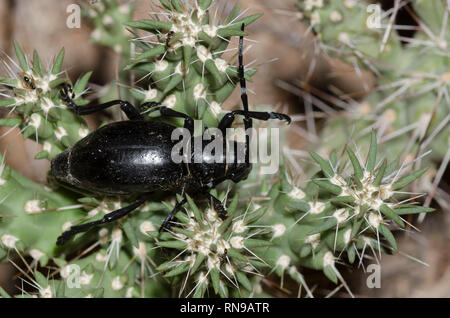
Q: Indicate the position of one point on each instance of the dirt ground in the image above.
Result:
(40, 24)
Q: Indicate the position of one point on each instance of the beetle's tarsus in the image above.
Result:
(67, 92)
(67, 96)
(281, 117)
(63, 238)
(166, 225)
(218, 206)
(147, 107)
(220, 209)
(223, 214)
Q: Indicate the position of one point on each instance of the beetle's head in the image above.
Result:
(60, 167)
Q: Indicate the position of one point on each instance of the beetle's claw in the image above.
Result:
(223, 216)
(287, 118)
(222, 213)
(67, 92)
(63, 93)
(62, 239)
(280, 116)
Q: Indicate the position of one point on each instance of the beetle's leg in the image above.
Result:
(228, 119)
(168, 220)
(148, 106)
(110, 217)
(168, 112)
(218, 206)
(204, 191)
(129, 110)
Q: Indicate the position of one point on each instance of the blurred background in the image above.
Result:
(288, 57)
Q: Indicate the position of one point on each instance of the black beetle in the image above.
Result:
(134, 157)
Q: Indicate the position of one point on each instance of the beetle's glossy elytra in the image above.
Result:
(121, 158)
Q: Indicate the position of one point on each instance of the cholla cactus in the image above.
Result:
(365, 196)
(32, 216)
(409, 108)
(341, 211)
(348, 29)
(108, 18)
(183, 58)
(215, 253)
(32, 94)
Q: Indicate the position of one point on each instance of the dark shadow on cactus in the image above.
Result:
(403, 18)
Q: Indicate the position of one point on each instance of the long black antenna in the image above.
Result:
(247, 120)
(244, 97)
